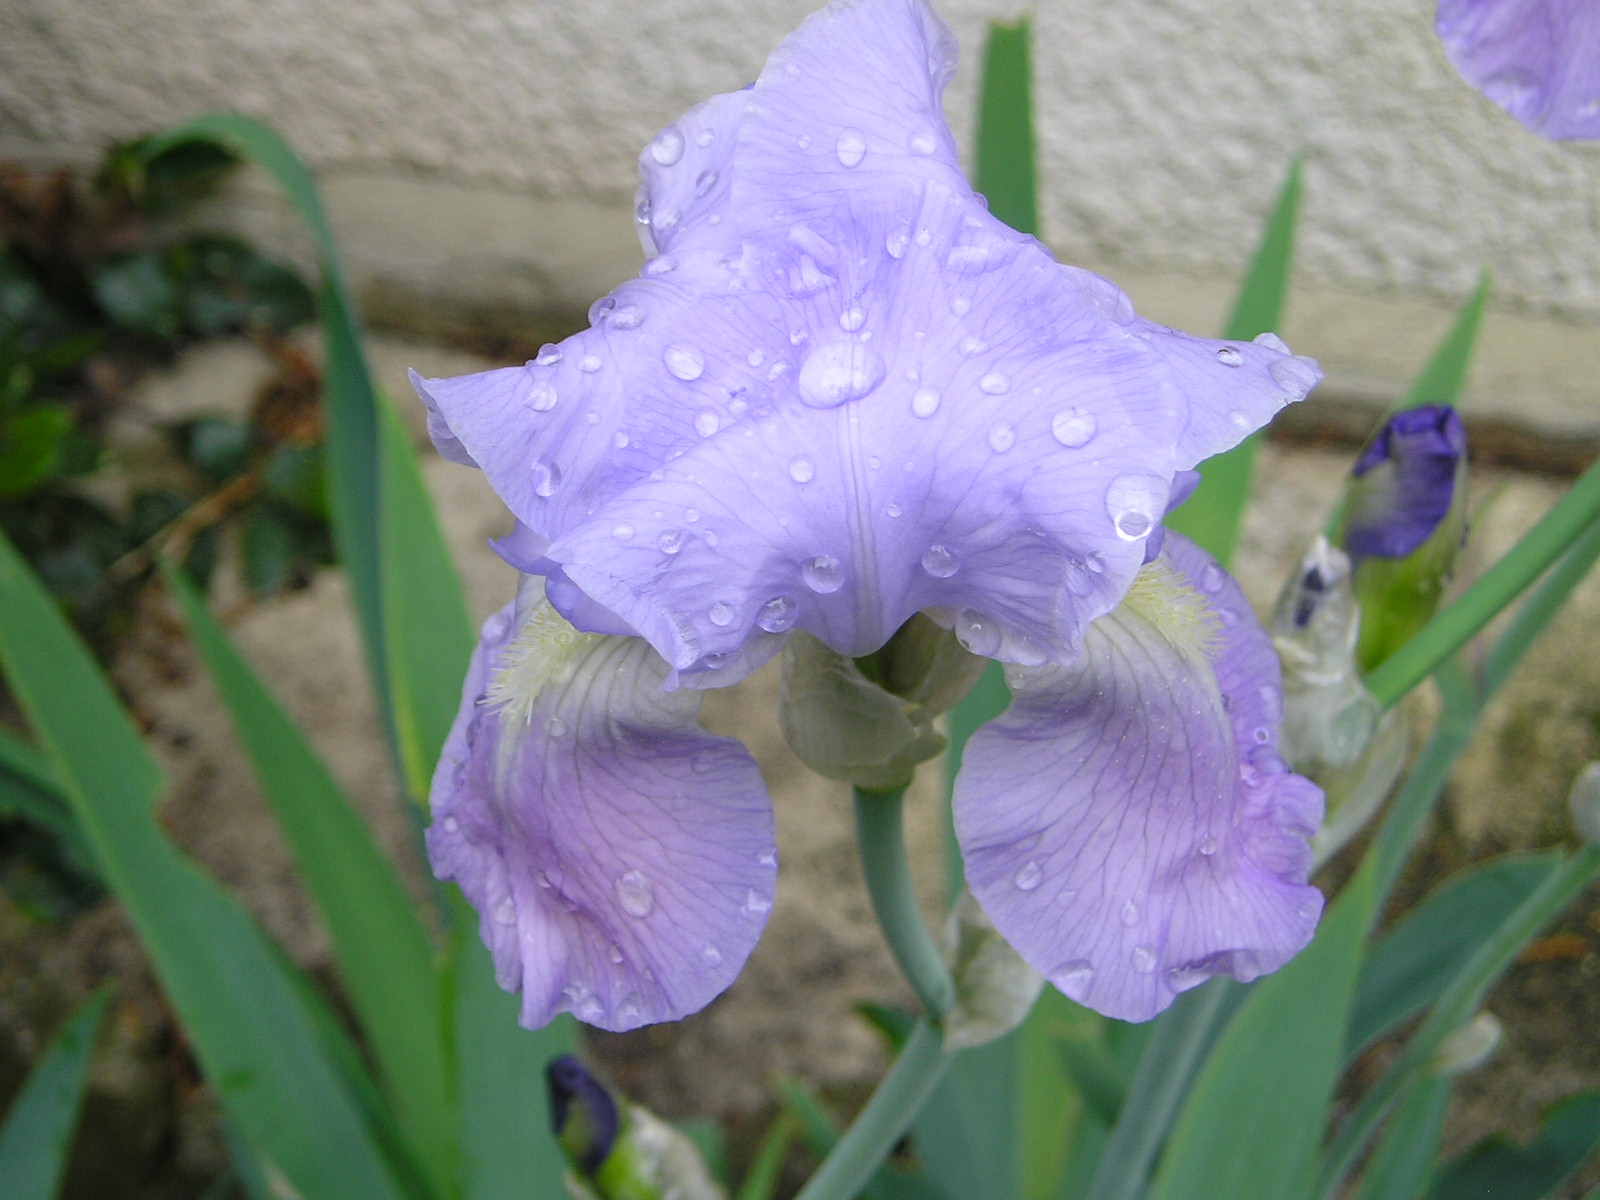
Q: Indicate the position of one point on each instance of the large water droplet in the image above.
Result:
(1002, 436)
(685, 362)
(994, 384)
(925, 402)
(667, 147)
(1229, 357)
(636, 893)
(620, 440)
(670, 541)
(549, 356)
(852, 318)
(839, 371)
(1207, 846)
(897, 243)
(801, 469)
(542, 398)
(546, 478)
(1144, 960)
(1074, 428)
(977, 633)
(1028, 876)
(921, 143)
(1135, 503)
(706, 422)
(1294, 374)
(704, 182)
(721, 614)
(851, 147)
(778, 614)
(629, 316)
(940, 562)
(823, 574)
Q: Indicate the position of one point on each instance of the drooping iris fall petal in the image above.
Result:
(621, 858)
(1127, 822)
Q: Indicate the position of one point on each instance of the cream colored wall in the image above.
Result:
(478, 155)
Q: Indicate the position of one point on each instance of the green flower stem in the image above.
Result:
(1460, 621)
(884, 1120)
(881, 839)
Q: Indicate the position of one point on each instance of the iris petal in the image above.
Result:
(1127, 823)
(621, 859)
(1537, 59)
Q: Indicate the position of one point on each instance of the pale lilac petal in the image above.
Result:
(685, 178)
(883, 402)
(1537, 59)
(621, 859)
(1127, 823)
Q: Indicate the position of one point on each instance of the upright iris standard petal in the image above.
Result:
(842, 393)
(1127, 823)
(621, 859)
(1537, 59)
(1405, 482)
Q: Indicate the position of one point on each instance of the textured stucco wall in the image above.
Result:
(481, 151)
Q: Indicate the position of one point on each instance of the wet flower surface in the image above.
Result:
(838, 395)
(1537, 59)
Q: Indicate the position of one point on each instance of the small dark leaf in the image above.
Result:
(218, 446)
(227, 286)
(293, 475)
(137, 294)
(1497, 1169)
(270, 545)
(30, 448)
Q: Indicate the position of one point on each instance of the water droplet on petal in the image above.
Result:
(704, 182)
(838, 372)
(1135, 503)
(721, 614)
(710, 955)
(556, 727)
(543, 398)
(661, 265)
(1130, 913)
(622, 531)
(629, 316)
(851, 147)
(1002, 436)
(1072, 977)
(755, 904)
(1229, 357)
(691, 515)
(451, 825)
(977, 633)
(893, 509)
(706, 422)
(1028, 876)
(801, 470)
(636, 893)
(974, 259)
(549, 356)
(1211, 577)
(970, 345)
(615, 953)
(940, 562)
(960, 305)
(1074, 428)
(1271, 341)
(546, 478)
(667, 148)
(756, 357)
(852, 318)
(994, 384)
(778, 614)
(591, 1010)
(1207, 846)
(505, 911)
(1294, 374)
(619, 440)
(921, 143)
(685, 362)
(1144, 960)
(670, 541)
(897, 243)
(823, 574)
(925, 402)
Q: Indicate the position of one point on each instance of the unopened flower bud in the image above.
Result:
(618, 1150)
(1405, 516)
(1584, 804)
(1328, 716)
(995, 989)
(1469, 1047)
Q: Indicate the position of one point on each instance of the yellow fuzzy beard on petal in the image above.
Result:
(544, 653)
(1165, 599)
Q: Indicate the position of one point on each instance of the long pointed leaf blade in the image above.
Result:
(243, 1017)
(1005, 151)
(1500, 1170)
(37, 1133)
(385, 957)
(1441, 380)
(1213, 515)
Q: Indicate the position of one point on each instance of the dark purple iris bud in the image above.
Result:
(582, 1113)
(1405, 482)
(1537, 59)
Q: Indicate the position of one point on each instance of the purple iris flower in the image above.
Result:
(839, 394)
(1405, 482)
(1537, 59)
